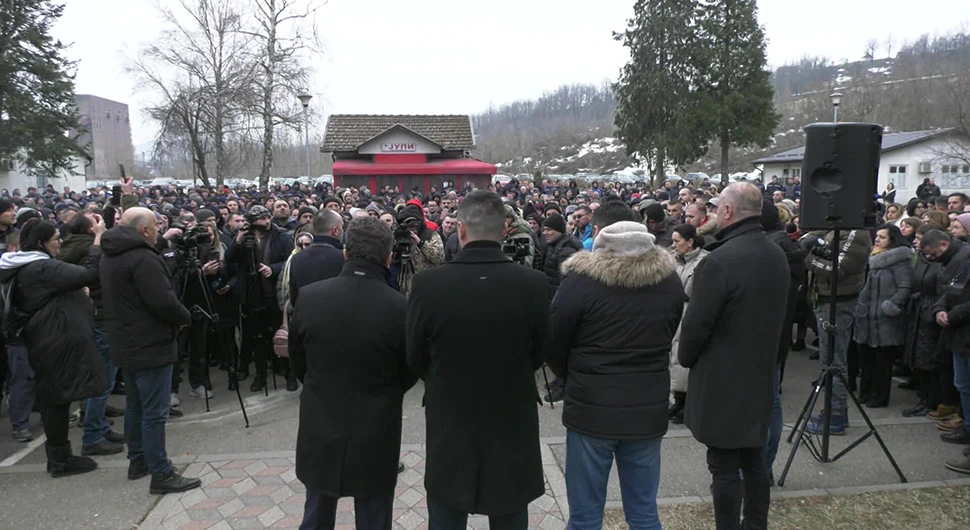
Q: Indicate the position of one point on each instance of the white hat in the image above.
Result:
(624, 238)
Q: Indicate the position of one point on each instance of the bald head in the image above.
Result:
(738, 202)
(328, 223)
(142, 220)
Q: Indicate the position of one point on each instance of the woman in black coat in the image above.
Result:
(58, 331)
(922, 332)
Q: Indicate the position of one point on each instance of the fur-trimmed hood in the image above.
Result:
(891, 257)
(709, 228)
(627, 271)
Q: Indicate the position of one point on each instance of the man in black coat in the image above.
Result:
(613, 321)
(742, 285)
(322, 260)
(353, 365)
(482, 420)
(143, 316)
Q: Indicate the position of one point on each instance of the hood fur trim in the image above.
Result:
(891, 257)
(626, 271)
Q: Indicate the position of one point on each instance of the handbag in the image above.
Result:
(281, 338)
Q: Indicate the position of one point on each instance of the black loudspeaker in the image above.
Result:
(840, 173)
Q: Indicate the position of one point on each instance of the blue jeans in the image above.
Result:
(843, 320)
(95, 424)
(777, 423)
(588, 464)
(961, 380)
(146, 411)
(21, 387)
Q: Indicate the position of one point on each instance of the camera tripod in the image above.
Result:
(208, 315)
(823, 385)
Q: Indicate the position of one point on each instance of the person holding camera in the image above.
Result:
(416, 247)
(260, 251)
(518, 243)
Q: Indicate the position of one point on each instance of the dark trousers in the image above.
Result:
(320, 512)
(21, 387)
(198, 355)
(57, 424)
(876, 363)
(146, 411)
(444, 518)
(928, 387)
(724, 465)
(257, 339)
(948, 393)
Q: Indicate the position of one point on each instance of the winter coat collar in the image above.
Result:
(327, 240)
(690, 256)
(360, 268)
(627, 271)
(740, 228)
(481, 252)
(891, 257)
(14, 260)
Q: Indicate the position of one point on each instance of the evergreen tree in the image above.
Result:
(655, 90)
(38, 112)
(736, 97)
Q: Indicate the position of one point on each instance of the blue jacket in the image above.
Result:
(588, 237)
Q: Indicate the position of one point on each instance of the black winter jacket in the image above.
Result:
(556, 254)
(142, 312)
(795, 255)
(954, 289)
(59, 334)
(612, 323)
(75, 249)
(320, 261)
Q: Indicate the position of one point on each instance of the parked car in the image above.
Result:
(696, 177)
(163, 181)
(501, 180)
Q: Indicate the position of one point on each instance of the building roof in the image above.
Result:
(889, 142)
(347, 132)
(448, 166)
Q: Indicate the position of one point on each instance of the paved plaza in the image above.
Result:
(249, 479)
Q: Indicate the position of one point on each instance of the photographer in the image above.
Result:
(260, 251)
(416, 247)
(518, 243)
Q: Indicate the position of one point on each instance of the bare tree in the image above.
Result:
(202, 70)
(286, 35)
(871, 47)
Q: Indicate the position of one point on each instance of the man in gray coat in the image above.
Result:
(729, 340)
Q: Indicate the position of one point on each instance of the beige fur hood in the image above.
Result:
(627, 271)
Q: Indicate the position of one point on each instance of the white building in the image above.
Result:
(907, 159)
(14, 177)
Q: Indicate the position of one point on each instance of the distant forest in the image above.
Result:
(919, 85)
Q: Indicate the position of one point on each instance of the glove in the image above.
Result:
(890, 309)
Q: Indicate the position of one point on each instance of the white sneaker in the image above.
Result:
(175, 400)
(201, 392)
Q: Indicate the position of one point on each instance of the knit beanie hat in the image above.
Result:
(204, 215)
(624, 238)
(655, 212)
(770, 220)
(306, 209)
(555, 222)
(964, 219)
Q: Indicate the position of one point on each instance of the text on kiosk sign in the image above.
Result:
(408, 147)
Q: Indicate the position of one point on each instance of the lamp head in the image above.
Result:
(305, 99)
(836, 98)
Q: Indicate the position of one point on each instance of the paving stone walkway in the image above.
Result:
(265, 493)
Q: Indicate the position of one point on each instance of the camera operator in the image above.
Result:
(518, 243)
(260, 251)
(416, 247)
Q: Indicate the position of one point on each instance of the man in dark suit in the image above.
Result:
(482, 421)
(353, 366)
(322, 260)
(729, 340)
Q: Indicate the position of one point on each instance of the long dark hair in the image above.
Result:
(35, 233)
(689, 232)
(896, 237)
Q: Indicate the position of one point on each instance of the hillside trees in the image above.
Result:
(656, 89)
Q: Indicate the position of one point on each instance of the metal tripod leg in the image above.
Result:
(872, 432)
(800, 429)
(806, 411)
(548, 391)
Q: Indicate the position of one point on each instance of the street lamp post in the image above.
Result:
(836, 101)
(305, 100)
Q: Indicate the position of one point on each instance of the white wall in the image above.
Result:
(778, 170)
(18, 179)
(399, 136)
(911, 156)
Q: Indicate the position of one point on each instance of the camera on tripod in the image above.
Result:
(402, 238)
(192, 237)
(516, 249)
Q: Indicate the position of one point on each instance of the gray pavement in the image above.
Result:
(105, 499)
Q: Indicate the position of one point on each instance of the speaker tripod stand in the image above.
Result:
(823, 386)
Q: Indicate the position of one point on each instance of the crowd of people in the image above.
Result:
(137, 276)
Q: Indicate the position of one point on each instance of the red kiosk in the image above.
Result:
(408, 151)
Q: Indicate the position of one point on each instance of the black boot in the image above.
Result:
(259, 383)
(137, 469)
(291, 384)
(61, 462)
(677, 414)
(172, 483)
(799, 345)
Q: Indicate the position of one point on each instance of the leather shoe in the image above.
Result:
(258, 384)
(172, 483)
(917, 411)
(114, 437)
(291, 384)
(102, 448)
(400, 468)
(113, 412)
(960, 466)
(941, 412)
(175, 413)
(137, 469)
(961, 437)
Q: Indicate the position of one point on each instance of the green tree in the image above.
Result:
(38, 112)
(655, 90)
(736, 99)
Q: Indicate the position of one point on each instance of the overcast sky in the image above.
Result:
(458, 56)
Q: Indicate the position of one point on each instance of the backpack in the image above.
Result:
(12, 319)
(281, 339)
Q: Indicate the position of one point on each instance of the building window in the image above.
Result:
(955, 176)
(897, 176)
(796, 173)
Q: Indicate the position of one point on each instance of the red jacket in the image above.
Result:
(430, 224)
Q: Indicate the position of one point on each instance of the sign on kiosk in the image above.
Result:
(408, 147)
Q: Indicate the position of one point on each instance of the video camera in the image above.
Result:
(516, 249)
(192, 237)
(402, 238)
